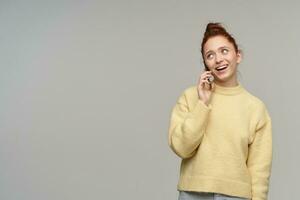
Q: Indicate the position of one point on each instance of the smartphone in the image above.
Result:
(210, 78)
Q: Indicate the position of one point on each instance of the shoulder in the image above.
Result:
(255, 101)
(189, 95)
(258, 107)
(190, 90)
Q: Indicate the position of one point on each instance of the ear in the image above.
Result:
(239, 56)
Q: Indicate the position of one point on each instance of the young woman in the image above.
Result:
(222, 132)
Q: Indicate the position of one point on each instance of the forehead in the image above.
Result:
(214, 43)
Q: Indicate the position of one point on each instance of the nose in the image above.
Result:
(219, 58)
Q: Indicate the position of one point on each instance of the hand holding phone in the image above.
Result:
(205, 86)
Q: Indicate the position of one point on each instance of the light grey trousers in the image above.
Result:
(187, 195)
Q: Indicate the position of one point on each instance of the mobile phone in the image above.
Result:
(210, 78)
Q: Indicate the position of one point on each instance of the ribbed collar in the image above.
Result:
(228, 90)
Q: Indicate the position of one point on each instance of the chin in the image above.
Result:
(224, 78)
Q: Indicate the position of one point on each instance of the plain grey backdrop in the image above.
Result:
(87, 87)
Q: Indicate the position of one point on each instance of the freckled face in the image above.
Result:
(221, 58)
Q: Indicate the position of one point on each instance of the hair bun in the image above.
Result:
(212, 28)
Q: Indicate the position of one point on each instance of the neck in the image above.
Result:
(229, 83)
(228, 90)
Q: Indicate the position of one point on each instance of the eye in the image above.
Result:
(209, 56)
(224, 51)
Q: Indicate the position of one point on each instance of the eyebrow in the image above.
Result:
(218, 49)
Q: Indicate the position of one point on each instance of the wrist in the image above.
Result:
(205, 102)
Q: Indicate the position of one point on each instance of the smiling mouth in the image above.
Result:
(221, 68)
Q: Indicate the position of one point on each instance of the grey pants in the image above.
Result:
(184, 195)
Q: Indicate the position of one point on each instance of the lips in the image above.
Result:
(221, 67)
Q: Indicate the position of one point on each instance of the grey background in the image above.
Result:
(87, 87)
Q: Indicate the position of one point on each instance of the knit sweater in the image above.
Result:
(225, 146)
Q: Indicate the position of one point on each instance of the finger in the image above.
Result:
(204, 78)
(202, 83)
(207, 72)
(205, 84)
(209, 86)
(205, 75)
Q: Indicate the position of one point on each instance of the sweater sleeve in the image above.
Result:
(187, 126)
(260, 158)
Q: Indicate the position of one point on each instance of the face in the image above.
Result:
(221, 58)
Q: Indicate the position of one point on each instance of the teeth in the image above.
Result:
(221, 67)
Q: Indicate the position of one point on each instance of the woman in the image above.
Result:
(222, 132)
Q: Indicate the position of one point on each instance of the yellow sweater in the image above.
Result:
(226, 147)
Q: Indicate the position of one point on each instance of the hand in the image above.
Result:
(204, 87)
